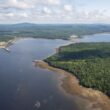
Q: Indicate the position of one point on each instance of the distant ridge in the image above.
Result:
(34, 24)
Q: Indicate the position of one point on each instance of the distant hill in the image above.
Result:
(51, 31)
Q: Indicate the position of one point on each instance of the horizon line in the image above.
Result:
(54, 23)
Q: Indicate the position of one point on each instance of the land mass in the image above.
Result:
(50, 31)
(89, 62)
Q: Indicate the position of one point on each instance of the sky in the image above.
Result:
(55, 11)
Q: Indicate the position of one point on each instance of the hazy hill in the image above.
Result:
(51, 31)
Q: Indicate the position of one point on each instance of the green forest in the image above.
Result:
(89, 62)
(52, 31)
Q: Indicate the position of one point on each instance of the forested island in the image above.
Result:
(89, 62)
(50, 31)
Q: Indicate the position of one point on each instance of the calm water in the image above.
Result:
(22, 85)
(26, 87)
(96, 38)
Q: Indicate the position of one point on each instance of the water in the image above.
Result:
(96, 38)
(26, 87)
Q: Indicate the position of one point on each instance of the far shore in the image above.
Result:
(6, 44)
(73, 39)
(93, 99)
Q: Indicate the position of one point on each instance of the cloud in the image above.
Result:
(23, 14)
(52, 11)
(53, 2)
(46, 10)
(68, 8)
(15, 4)
(10, 14)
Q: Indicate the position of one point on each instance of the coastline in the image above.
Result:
(5, 45)
(96, 99)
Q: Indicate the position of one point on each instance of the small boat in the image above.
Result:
(7, 49)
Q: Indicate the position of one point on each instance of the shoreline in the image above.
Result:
(5, 45)
(94, 99)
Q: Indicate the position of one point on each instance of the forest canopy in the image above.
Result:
(89, 62)
(50, 31)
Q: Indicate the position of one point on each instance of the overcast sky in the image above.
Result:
(55, 11)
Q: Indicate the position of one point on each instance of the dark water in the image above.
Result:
(22, 85)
